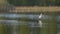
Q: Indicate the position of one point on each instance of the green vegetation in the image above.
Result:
(35, 2)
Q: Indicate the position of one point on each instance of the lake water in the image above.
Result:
(33, 24)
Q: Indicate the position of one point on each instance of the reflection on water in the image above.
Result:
(15, 26)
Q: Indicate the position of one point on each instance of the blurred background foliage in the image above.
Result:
(35, 2)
